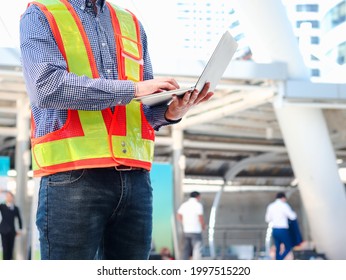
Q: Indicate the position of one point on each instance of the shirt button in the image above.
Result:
(103, 44)
(108, 71)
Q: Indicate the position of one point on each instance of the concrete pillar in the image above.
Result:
(22, 163)
(314, 164)
(304, 129)
(179, 173)
(270, 34)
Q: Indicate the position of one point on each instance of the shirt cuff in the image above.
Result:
(157, 117)
(124, 92)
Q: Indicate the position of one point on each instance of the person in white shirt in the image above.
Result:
(190, 214)
(277, 215)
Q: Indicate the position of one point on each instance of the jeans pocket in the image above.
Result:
(65, 178)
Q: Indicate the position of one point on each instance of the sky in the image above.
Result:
(160, 28)
(9, 24)
(156, 23)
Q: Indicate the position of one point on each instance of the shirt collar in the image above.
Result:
(84, 3)
(99, 3)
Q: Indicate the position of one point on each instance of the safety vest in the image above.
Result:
(94, 139)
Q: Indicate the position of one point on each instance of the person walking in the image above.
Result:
(278, 214)
(84, 63)
(190, 215)
(8, 229)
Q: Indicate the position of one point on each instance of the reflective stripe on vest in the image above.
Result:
(128, 45)
(95, 138)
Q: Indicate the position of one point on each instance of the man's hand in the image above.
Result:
(181, 105)
(155, 85)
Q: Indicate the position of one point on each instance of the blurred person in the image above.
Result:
(190, 215)
(166, 254)
(8, 229)
(84, 61)
(278, 214)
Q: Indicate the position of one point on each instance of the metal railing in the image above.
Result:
(228, 239)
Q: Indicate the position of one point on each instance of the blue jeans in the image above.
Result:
(282, 236)
(95, 214)
(192, 246)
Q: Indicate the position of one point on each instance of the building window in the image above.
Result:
(341, 59)
(239, 36)
(307, 8)
(234, 24)
(335, 16)
(314, 23)
(338, 54)
(314, 40)
(315, 72)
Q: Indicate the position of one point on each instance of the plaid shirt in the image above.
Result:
(53, 90)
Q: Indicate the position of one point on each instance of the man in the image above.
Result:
(190, 214)
(84, 61)
(278, 214)
(9, 213)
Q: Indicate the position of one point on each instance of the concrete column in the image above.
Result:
(22, 163)
(304, 129)
(179, 173)
(270, 34)
(314, 164)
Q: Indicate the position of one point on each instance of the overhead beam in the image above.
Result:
(255, 124)
(8, 131)
(233, 146)
(8, 110)
(240, 132)
(301, 90)
(250, 100)
(163, 141)
(8, 92)
(7, 121)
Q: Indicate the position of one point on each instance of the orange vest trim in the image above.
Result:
(53, 26)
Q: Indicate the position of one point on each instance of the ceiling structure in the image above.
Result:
(238, 125)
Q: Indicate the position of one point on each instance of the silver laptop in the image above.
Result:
(213, 71)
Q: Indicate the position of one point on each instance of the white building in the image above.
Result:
(333, 42)
(317, 25)
(203, 22)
